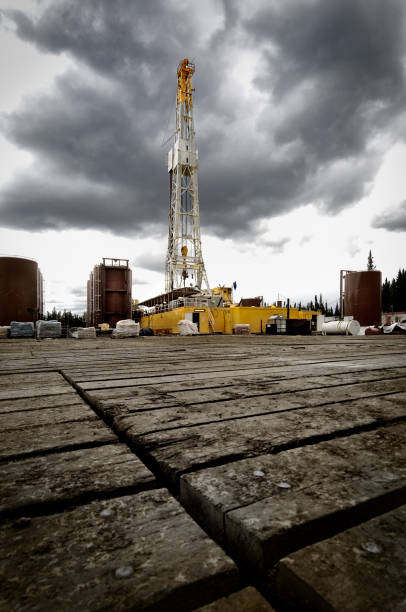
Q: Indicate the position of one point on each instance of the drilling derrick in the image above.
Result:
(184, 261)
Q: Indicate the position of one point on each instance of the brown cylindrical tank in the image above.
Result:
(109, 293)
(21, 293)
(363, 297)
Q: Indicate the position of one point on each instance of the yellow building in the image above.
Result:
(220, 320)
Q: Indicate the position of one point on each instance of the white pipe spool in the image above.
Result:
(351, 328)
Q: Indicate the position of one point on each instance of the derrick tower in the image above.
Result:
(184, 260)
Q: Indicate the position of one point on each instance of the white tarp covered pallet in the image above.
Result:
(83, 332)
(127, 328)
(187, 328)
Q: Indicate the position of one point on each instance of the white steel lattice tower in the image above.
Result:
(184, 259)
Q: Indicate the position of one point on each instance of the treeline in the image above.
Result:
(67, 318)
(317, 304)
(394, 293)
(325, 309)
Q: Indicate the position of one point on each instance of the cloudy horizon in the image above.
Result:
(300, 123)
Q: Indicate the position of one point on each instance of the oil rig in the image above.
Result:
(184, 258)
(188, 295)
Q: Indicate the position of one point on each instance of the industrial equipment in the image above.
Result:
(184, 261)
(361, 296)
(21, 290)
(109, 293)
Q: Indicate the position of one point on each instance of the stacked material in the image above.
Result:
(83, 332)
(187, 328)
(242, 329)
(126, 329)
(49, 329)
(21, 329)
(4, 330)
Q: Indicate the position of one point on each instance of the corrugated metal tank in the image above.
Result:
(21, 290)
(109, 293)
(363, 296)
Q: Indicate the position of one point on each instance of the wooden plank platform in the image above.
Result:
(283, 449)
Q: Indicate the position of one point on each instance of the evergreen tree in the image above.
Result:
(394, 293)
(370, 264)
(67, 318)
(386, 296)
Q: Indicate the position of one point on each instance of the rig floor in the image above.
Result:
(213, 472)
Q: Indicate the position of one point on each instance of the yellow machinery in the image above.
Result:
(225, 292)
(224, 319)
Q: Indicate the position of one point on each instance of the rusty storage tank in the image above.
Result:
(21, 290)
(363, 296)
(109, 292)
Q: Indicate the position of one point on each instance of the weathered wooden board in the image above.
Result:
(130, 369)
(187, 448)
(361, 569)
(246, 388)
(28, 392)
(205, 408)
(302, 372)
(38, 403)
(62, 479)
(46, 416)
(239, 402)
(265, 507)
(236, 373)
(54, 438)
(132, 552)
(30, 379)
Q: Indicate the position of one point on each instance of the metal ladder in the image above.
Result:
(212, 328)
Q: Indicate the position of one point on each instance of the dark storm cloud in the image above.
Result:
(393, 219)
(330, 77)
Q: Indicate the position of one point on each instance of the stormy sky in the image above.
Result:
(300, 123)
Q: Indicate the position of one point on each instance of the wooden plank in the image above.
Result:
(265, 507)
(186, 448)
(271, 373)
(131, 369)
(38, 403)
(36, 379)
(47, 416)
(363, 568)
(35, 392)
(303, 372)
(220, 373)
(74, 560)
(59, 480)
(170, 410)
(54, 438)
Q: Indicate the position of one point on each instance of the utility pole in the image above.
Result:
(184, 258)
